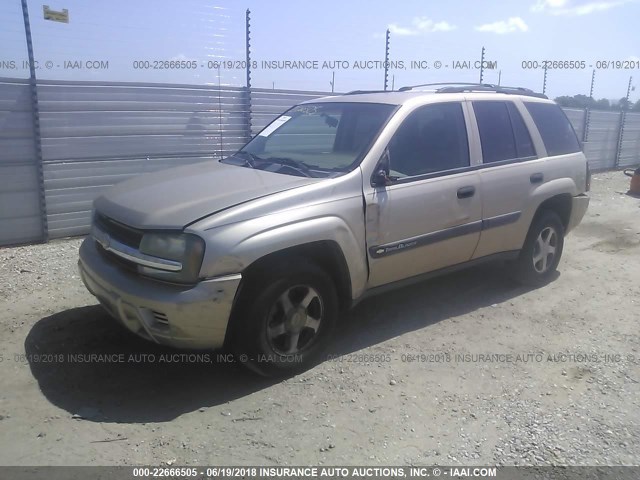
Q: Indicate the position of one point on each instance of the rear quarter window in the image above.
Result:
(555, 129)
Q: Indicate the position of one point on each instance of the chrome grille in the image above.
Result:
(111, 257)
(121, 232)
(115, 239)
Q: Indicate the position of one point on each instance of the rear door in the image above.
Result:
(510, 172)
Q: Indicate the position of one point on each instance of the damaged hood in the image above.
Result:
(174, 198)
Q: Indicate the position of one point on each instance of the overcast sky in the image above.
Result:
(122, 32)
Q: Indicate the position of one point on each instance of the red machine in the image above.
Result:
(634, 188)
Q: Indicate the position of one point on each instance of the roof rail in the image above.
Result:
(452, 87)
(494, 88)
(411, 87)
(362, 92)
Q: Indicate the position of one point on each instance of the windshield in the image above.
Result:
(315, 140)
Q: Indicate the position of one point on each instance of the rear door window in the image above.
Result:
(524, 145)
(503, 134)
(496, 132)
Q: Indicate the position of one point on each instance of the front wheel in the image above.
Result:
(285, 316)
(542, 250)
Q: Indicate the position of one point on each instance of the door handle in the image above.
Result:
(466, 192)
(536, 178)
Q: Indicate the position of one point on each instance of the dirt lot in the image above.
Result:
(570, 397)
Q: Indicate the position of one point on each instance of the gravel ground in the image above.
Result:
(466, 369)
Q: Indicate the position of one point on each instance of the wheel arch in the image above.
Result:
(326, 254)
(560, 203)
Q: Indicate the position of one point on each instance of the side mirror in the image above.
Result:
(381, 176)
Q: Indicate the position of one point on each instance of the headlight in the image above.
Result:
(185, 248)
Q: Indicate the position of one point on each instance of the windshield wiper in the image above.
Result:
(250, 159)
(254, 161)
(290, 162)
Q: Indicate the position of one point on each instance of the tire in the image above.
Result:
(284, 317)
(540, 255)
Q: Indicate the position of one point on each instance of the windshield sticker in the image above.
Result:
(276, 124)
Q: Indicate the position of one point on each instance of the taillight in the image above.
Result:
(588, 186)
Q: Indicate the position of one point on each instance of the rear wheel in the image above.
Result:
(542, 250)
(285, 316)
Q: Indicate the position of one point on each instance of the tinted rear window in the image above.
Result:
(554, 127)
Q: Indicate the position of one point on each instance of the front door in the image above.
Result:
(430, 214)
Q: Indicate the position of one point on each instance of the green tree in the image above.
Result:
(566, 101)
(623, 104)
(583, 101)
(577, 101)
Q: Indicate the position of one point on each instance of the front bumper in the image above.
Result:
(193, 316)
(578, 209)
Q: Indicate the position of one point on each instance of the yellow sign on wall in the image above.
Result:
(54, 15)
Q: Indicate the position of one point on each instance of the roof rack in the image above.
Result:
(477, 87)
(494, 88)
(411, 87)
(362, 92)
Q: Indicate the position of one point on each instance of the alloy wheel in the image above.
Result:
(544, 250)
(294, 320)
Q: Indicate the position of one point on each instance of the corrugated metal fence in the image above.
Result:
(603, 134)
(629, 154)
(20, 191)
(95, 134)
